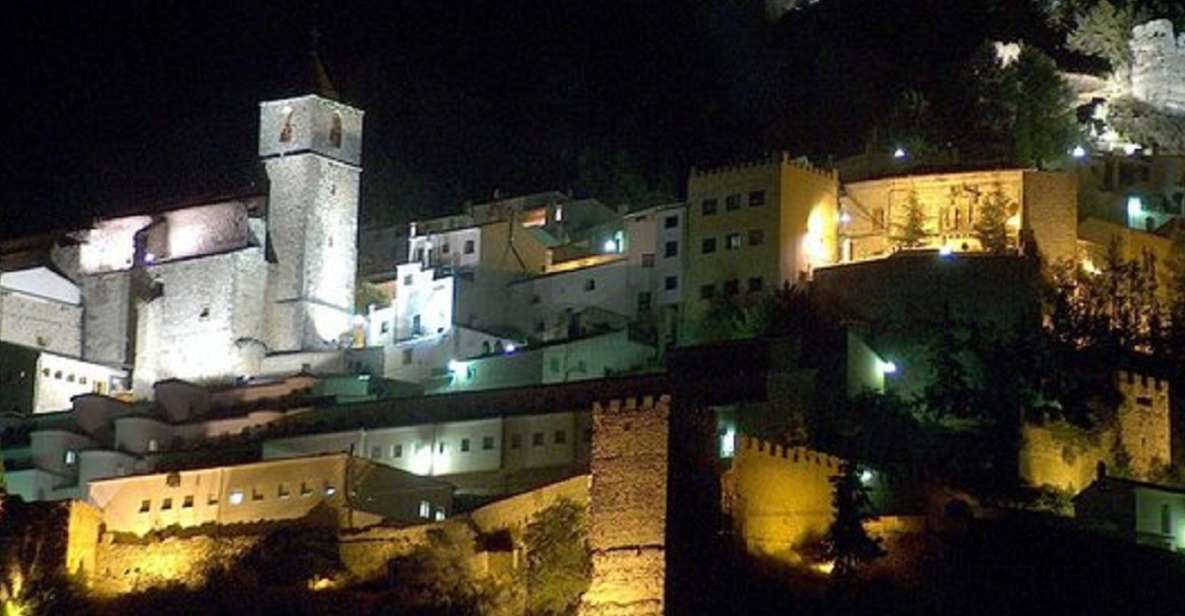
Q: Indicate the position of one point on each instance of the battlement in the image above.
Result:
(796, 455)
(1127, 380)
(630, 404)
(767, 160)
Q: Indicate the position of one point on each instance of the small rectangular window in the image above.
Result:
(757, 198)
(439, 515)
(708, 245)
(516, 441)
(671, 249)
(330, 490)
(756, 284)
(376, 452)
(464, 444)
(1166, 520)
(671, 283)
(732, 241)
(756, 237)
(670, 222)
(590, 284)
(444, 250)
(425, 509)
(554, 364)
(407, 356)
(211, 499)
(166, 504)
(732, 287)
(407, 280)
(419, 256)
(648, 260)
(644, 302)
(256, 494)
(71, 457)
(469, 247)
(709, 207)
(561, 437)
(707, 291)
(732, 202)
(187, 503)
(145, 506)
(396, 451)
(305, 490)
(282, 490)
(440, 447)
(537, 439)
(487, 443)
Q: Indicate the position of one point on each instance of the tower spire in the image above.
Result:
(318, 79)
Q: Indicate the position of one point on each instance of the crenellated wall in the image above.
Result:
(1158, 65)
(628, 507)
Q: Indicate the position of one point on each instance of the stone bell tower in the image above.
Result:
(311, 147)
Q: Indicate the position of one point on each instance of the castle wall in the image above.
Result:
(781, 496)
(1051, 213)
(628, 507)
(107, 320)
(40, 323)
(1144, 422)
(1158, 65)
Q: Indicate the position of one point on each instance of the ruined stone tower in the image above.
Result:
(628, 507)
(311, 147)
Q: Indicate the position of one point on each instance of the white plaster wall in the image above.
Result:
(59, 379)
(528, 455)
(590, 358)
(426, 296)
(42, 282)
(40, 323)
(109, 245)
(431, 247)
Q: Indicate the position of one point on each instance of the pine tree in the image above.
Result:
(911, 233)
(990, 225)
(1175, 281)
(847, 542)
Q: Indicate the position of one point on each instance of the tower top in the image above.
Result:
(318, 79)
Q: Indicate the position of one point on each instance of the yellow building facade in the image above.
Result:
(1041, 206)
(753, 227)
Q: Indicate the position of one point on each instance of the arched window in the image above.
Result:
(335, 131)
(286, 130)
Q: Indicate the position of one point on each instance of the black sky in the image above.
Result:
(116, 104)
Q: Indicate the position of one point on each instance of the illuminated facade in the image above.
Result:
(754, 227)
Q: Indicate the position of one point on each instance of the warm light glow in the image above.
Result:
(946, 250)
(845, 218)
(824, 568)
(421, 462)
(1130, 148)
(610, 246)
(820, 223)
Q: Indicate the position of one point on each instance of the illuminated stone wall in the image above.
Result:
(1158, 65)
(1144, 422)
(779, 497)
(1050, 213)
(40, 323)
(628, 507)
(130, 566)
(107, 319)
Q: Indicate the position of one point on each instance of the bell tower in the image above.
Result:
(311, 148)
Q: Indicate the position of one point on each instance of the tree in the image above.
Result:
(1104, 31)
(950, 393)
(558, 561)
(990, 226)
(1045, 127)
(367, 294)
(847, 541)
(1175, 280)
(911, 233)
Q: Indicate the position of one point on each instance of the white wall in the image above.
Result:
(60, 378)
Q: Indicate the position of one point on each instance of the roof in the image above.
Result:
(1123, 482)
(943, 169)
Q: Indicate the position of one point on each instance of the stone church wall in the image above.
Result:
(107, 318)
(41, 324)
(628, 507)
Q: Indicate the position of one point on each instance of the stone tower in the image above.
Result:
(311, 147)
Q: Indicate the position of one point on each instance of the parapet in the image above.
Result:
(796, 455)
(800, 163)
(1127, 378)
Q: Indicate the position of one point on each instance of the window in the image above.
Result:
(282, 490)
(335, 131)
(396, 451)
(444, 249)
(648, 259)
(516, 441)
(166, 504)
(708, 245)
(644, 301)
(145, 506)
(537, 439)
(286, 129)
(561, 437)
(205, 313)
(709, 207)
(407, 355)
(487, 443)
(590, 284)
(540, 326)
(187, 503)
(45, 372)
(464, 444)
(707, 291)
(756, 284)
(385, 327)
(71, 457)
(256, 494)
(440, 447)
(58, 375)
(732, 241)
(756, 237)
(407, 280)
(329, 489)
(376, 452)
(732, 202)
(419, 255)
(439, 515)
(671, 283)
(70, 378)
(81, 380)
(670, 222)
(672, 249)
(732, 287)
(469, 247)
(152, 445)
(1166, 520)
(305, 490)
(554, 364)
(757, 198)
(211, 499)
(425, 509)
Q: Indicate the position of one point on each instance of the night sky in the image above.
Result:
(112, 106)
